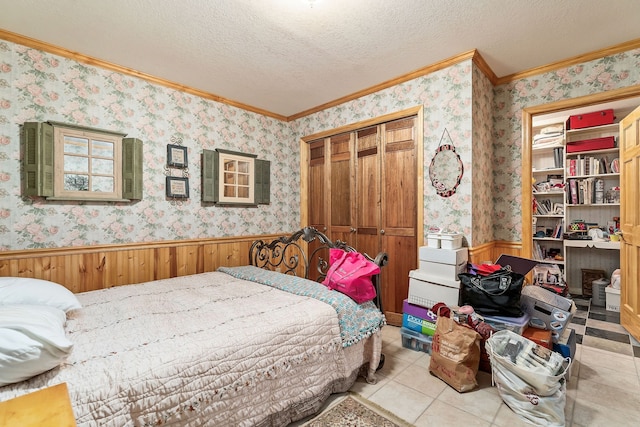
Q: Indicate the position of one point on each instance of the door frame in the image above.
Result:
(417, 111)
(527, 121)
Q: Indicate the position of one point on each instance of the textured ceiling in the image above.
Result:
(286, 56)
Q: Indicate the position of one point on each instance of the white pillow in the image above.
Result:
(32, 341)
(23, 290)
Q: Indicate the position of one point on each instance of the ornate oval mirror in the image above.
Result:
(446, 169)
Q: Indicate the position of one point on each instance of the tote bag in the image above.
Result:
(455, 354)
(350, 273)
(497, 294)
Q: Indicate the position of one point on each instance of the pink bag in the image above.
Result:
(350, 273)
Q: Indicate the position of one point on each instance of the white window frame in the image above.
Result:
(247, 176)
(59, 192)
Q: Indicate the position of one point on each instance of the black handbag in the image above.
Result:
(497, 294)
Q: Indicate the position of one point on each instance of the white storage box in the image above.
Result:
(444, 256)
(426, 290)
(613, 298)
(433, 240)
(443, 271)
(450, 240)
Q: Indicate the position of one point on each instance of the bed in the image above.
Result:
(250, 345)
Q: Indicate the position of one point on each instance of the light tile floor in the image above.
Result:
(603, 390)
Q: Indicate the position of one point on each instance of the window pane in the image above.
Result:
(75, 145)
(102, 184)
(229, 191)
(75, 182)
(102, 149)
(243, 179)
(76, 164)
(229, 178)
(229, 165)
(243, 167)
(243, 192)
(102, 166)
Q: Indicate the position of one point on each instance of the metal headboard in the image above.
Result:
(287, 255)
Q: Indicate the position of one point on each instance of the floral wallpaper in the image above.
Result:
(484, 124)
(482, 159)
(605, 74)
(36, 86)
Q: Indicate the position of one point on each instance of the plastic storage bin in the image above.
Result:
(415, 340)
(513, 324)
(450, 241)
(613, 298)
(598, 292)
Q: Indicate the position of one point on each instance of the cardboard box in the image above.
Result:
(426, 290)
(444, 256)
(444, 271)
(417, 324)
(548, 310)
(596, 118)
(566, 344)
(419, 311)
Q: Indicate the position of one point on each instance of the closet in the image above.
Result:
(561, 227)
(362, 188)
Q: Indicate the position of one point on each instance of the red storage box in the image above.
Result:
(597, 118)
(541, 337)
(591, 144)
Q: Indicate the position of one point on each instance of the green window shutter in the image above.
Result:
(262, 191)
(132, 168)
(38, 155)
(210, 176)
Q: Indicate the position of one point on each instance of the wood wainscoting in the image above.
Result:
(88, 268)
(491, 251)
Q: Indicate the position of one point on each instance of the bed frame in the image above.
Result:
(287, 255)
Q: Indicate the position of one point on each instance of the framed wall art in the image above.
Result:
(177, 156)
(177, 187)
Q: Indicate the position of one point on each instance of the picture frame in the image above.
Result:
(177, 187)
(177, 156)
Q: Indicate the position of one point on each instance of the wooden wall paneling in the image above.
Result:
(162, 263)
(186, 260)
(210, 256)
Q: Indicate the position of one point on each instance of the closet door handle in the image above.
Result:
(381, 231)
(353, 230)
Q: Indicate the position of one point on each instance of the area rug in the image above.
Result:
(354, 410)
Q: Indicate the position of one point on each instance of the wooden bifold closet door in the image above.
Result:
(363, 190)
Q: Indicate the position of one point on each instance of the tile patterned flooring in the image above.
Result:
(603, 390)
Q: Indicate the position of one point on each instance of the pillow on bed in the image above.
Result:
(32, 341)
(23, 290)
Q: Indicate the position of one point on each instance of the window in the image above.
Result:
(66, 162)
(232, 178)
(89, 165)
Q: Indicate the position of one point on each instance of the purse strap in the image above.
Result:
(476, 281)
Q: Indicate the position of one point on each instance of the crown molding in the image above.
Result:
(473, 54)
(596, 54)
(89, 60)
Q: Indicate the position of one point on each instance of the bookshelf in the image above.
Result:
(548, 193)
(589, 198)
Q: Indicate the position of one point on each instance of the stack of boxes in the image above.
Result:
(436, 280)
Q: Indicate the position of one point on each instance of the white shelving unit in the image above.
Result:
(576, 256)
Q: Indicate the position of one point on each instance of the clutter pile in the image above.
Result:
(484, 317)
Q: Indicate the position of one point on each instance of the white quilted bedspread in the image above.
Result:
(206, 349)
